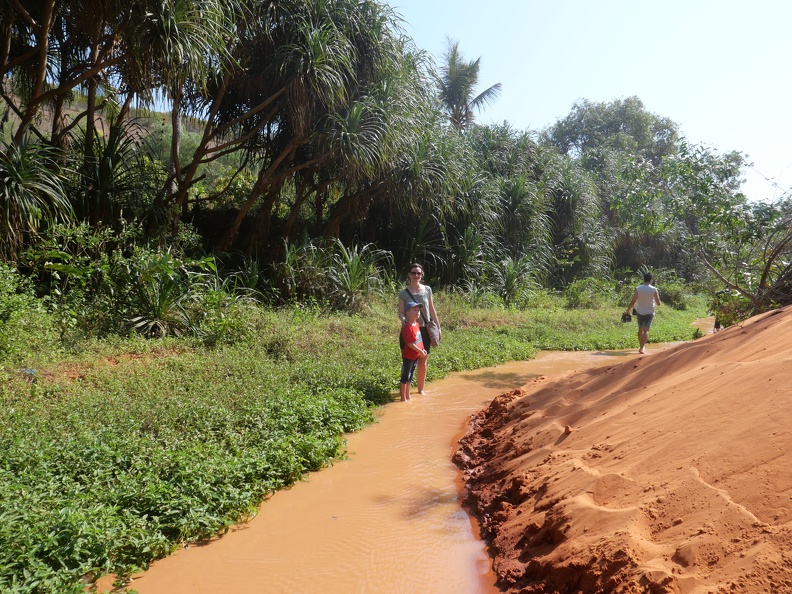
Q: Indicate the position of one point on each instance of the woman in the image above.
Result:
(422, 295)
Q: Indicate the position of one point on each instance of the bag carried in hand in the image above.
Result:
(626, 317)
(434, 332)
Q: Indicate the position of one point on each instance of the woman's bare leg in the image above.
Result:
(421, 375)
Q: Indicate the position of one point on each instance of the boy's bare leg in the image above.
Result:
(404, 391)
(421, 375)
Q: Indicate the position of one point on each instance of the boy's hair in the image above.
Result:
(648, 277)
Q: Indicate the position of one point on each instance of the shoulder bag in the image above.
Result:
(431, 325)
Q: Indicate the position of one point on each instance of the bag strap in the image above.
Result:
(421, 310)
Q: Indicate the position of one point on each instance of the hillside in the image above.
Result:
(666, 473)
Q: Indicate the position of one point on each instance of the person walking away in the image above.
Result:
(645, 300)
(421, 294)
(413, 350)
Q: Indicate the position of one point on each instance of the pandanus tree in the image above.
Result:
(324, 101)
(456, 82)
(31, 193)
(180, 45)
(50, 50)
(107, 54)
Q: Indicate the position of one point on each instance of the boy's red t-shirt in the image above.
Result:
(411, 334)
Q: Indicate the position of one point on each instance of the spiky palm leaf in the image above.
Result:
(31, 192)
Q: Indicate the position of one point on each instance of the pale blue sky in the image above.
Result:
(719, 69)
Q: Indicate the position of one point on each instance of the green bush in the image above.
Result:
(673, 291)
(730, 308)
(590, 293)
(25, 327)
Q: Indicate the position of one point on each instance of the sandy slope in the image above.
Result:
(673, 474)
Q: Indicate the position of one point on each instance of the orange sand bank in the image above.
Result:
(666, 473)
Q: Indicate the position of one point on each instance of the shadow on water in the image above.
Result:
(430, 499)
(624, 353)
(499, 380)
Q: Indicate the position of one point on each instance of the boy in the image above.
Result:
(413, 348)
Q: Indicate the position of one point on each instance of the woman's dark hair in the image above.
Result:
(648, 277)
(413, 265)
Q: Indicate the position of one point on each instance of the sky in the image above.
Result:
(722, 70)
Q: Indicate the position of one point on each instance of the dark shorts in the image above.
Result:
(645, 321)
(408, 369)
(425, 337)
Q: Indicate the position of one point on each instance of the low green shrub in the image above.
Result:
(25, 325)
(675, 292)
(730, 308)
(590, 293)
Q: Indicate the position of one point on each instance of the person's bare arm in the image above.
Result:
(414, 346)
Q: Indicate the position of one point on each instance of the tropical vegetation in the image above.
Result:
(201, 199)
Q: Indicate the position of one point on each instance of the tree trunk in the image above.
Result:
(41, 35)
(263, 183)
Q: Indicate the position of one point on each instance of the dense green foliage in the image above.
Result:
(291, 121)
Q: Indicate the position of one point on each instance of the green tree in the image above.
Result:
(457, 83)
(624, 146)
(623, 125)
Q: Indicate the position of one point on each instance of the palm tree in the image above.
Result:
(457, 83)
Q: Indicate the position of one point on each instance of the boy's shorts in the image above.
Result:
(408, 369)
(645, 321)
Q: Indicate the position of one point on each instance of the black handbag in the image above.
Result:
(626, 317)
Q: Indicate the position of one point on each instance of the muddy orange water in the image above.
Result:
(387, 519)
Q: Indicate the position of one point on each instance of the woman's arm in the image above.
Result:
(402, 319)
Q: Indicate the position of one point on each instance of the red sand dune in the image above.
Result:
(665, 473)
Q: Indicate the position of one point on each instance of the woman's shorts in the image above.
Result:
(426, 340)
(408, 369)
(645, 321)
